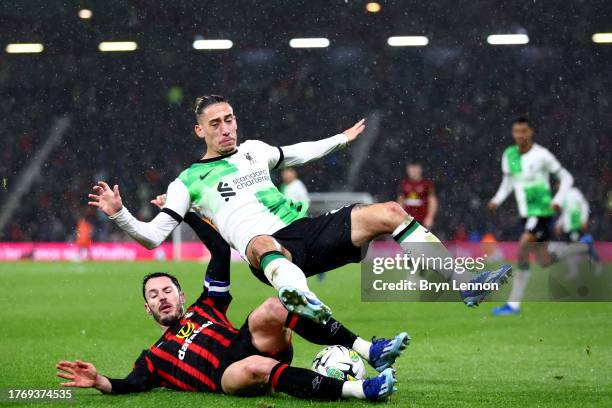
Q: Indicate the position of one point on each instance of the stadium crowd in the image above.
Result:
(447, 108)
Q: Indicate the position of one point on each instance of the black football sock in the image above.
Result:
(305, 384)
(330, 333)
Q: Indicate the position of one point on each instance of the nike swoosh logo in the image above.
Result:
(203, 176)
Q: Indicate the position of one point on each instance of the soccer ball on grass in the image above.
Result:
(339, 362)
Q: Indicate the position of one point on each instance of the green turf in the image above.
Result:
(555, 354)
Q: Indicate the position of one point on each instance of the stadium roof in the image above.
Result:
(270, 24)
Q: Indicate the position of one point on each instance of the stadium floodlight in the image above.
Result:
(309, 43)
(212, 44)
(602, 38)
(24, 48)
(108, 46)
(508, 39)
(85, 14)
(408, 41)
(373, 7)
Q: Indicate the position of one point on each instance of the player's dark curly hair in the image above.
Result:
(202, 102)
(159, 275)
(522, 119)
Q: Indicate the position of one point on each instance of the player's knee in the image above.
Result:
(269, 317)
(395, 208)
(392, 215)
(260, 245)
(258, 369)
(248, 377)
(273, 311)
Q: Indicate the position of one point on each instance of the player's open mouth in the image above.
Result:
(165, 308)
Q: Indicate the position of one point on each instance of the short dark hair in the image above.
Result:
(159, 275)
(522, 119)
(202, 102)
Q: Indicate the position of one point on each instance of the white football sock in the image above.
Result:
(417, 241)
(362, 347)
(282, 272)
(519, 284)
(353, 389)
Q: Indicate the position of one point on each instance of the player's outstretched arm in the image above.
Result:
(305, 152)
(150, 234)
(218, 270)
(82, 375)
(217, 277)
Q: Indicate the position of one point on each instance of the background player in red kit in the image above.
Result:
(417, 196)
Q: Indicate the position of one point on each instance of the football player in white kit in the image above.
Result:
(231, 186)
(572, 225)
(526, 168)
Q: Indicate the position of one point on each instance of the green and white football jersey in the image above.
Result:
(574, 211)
(236, 193)
(529, 177)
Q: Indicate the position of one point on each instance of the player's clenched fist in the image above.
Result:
(107, 200)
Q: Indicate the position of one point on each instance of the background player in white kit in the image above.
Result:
(572, 225)
(526, 168)
(231, 186)
(292, 187)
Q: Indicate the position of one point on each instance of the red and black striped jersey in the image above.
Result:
(187, 356)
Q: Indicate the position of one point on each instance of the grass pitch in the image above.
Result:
(554, 354)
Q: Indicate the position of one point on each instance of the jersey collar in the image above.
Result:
(217, 158)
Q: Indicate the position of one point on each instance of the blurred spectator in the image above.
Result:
(417, 196)
(84, 232)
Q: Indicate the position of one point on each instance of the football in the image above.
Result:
(339, 362)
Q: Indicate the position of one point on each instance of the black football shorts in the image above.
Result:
(541, 227)
(319, 244)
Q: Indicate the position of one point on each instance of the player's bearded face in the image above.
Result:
(165, 304)
(168, 313)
